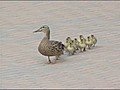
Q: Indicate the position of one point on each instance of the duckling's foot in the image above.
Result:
(80, 50)
(84, 49)
(77, 49)
(88, 47)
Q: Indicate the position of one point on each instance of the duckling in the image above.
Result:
(71, 49)
(81, 37)
(66, 44)
(94, 39)
(82, 45)
(89, 42)
(69, 39)
(73, 45)
(76, 42)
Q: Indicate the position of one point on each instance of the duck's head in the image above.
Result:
(72, 41)
(92, 35)
(81, 36)
(70, 44)
(44, 29)
(88, 37)
(75, 39)
(68, 38)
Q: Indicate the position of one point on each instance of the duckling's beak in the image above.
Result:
(39, 30)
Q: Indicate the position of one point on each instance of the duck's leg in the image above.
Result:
(49, 60)
(57, 58)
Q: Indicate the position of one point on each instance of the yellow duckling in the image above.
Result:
(94, 39)
(66, 44)
(82, 45)
(81, 37)
(71, 49)
(73, 44)
(69, 39)
(76, 42)
(89, 42)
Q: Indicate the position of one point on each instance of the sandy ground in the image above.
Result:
(21, 65)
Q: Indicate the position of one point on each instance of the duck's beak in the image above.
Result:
(37, 31)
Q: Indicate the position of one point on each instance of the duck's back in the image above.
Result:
(50, 48)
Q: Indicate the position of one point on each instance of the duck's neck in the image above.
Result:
(48, 34)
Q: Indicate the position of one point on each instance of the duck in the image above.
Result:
(49, 47)
(94, 39)
(82, 45)
(71, 49)
(89, 42)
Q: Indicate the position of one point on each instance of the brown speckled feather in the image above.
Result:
(50, 48)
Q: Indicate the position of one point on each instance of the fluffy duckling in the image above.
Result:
(66, 44)
(81, 37)
(89, 42)
(69, 39)
(73, 44)
(82, 45)
(71, 49)
(76, 42)
(94, 39)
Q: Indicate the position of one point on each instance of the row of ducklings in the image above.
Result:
(71, 46)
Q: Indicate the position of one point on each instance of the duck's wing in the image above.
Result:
(56, 45)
